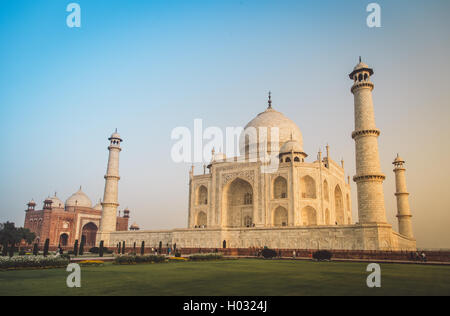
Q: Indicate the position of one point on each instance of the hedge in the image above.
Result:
(138, 259)
(206, 257)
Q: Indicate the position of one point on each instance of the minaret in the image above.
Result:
(110, 196)
(403, 211)
(369, 178)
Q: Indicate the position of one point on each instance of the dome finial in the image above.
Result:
(360, 59)
(270, 100)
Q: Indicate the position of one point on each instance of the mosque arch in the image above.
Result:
(89, 232)
(237, 202)
(280, 188)
(309, 216)
(64, 240)
(339, 205)
(280, 216)
(308, 187)
(201, 196)
(201, 219)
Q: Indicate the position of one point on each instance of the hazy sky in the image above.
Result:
(147, 67)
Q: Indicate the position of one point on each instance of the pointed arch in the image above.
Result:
(308, 187)
(280, 216)
(237, 202)
(201, 196)
(339, 205)
(309, 216)
(280, 188)
(202, 219)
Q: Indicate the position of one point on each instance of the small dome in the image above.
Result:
(98, 206)
(291, 146)
(56, 202)
(32, 202)
(79, 198)
(287, 130)
(398, 159)
(115, 135)
(134, 226)
(361, 65)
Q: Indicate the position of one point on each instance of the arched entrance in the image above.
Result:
(339, 205)
(89, 233)
(280, 216)
(202, 219)
(238, 203)
(63, 240)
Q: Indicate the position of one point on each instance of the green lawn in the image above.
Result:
(232, 277)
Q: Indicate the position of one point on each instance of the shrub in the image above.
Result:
(46, 245)
(177, 254)
(35, 249)
(268, 253)
(81, 251)
(139, 259)
(75, 248)
(206, 257)
(94, 250)
(33, 262)
(102, 249)
(322, 255)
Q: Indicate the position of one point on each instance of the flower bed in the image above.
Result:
(20, 262)
(86, 263)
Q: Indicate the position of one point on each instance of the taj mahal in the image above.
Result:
(303, 204)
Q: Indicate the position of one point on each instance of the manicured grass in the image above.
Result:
(232, 277)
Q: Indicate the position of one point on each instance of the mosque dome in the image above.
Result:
(56, 202)
(288, 131)
(79, 198)
(291, 146)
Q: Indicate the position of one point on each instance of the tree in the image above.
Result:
(142, 248)
(83, 241)
(11, 235)
(100, 251)
(35, 249)
(75, 248)
(46, 246)
(120, 248)
(123, 247)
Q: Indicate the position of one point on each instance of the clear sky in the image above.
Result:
(147, 67)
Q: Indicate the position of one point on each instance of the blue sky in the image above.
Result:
(147, 67)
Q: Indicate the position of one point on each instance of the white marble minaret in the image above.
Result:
(403, 211)
(369, 178)
(110, 196)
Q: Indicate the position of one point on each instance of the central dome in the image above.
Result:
(287, 130)
(79, 198)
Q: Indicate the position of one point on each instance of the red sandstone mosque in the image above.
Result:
(63, 223)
